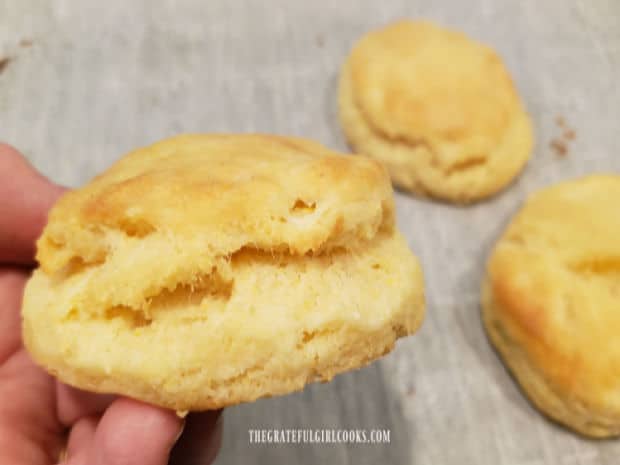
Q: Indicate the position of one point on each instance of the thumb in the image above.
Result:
(25, 198)
(131, 432)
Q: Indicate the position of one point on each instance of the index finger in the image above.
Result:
(25, 198)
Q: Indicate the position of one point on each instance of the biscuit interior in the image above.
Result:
(551, 303)
(437, 108)
(207, 270)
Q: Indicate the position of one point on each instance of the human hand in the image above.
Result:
(43, 421)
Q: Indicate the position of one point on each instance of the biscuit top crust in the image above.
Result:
(222, 193)
(417, 82)
(555, 278)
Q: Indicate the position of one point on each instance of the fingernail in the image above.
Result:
(62, 456)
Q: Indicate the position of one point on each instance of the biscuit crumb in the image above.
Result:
(559, 147)
(320, 41)
(569, 134)
(25, 43)
(182, 413)
(4, 62)
(410, 392)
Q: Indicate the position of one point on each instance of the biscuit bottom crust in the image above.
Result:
(282, 321)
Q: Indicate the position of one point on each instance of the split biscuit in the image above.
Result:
(208, 270)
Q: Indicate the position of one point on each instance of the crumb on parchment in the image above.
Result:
(559, 147)
(4, 62)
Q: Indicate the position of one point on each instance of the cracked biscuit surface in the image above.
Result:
(208, 270)
(551, 302)
(437, 108)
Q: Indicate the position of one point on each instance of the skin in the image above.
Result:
(43, 421)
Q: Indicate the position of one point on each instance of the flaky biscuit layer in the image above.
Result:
(209, 270)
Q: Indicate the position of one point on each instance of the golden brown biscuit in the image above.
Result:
(438, 109)
(551, 302)
(207, 270)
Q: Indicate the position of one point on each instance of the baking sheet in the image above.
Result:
(101, 78)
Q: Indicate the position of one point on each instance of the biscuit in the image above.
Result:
(437, 108)
(208, 270)
(551, 303)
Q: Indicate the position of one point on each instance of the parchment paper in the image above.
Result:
(101, 78)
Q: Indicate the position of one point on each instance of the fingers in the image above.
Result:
(11, 286)
(73, 404)
(28, 425)
(131, 432)
(201, 439)
(25, 198)
(81, 439)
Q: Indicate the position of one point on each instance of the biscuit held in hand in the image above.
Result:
(437, 108)
(207, 270)
(551, 302)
